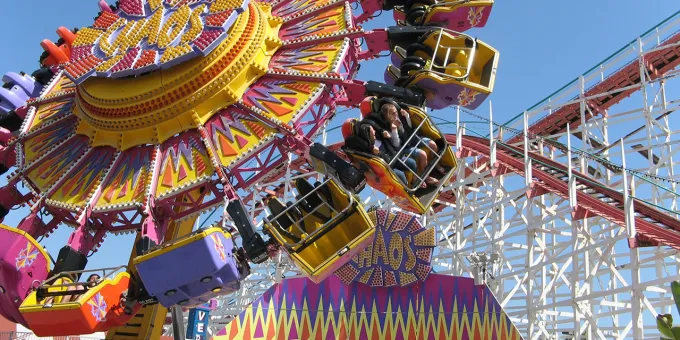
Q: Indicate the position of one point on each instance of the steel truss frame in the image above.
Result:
(563, 273)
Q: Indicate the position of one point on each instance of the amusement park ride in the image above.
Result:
(145, 119)
(166, 109)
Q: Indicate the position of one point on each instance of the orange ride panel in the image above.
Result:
(97, 310)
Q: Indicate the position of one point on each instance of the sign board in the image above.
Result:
(197, 327)
(399, 256)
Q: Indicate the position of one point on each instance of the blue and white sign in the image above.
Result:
(197, 327)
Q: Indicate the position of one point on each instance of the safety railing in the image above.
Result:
(278, 223)
(73, 276)
(450, 4)
(651, 40)
(402, 155)
(437, 68)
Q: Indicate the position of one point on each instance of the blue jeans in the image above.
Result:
(399, 168)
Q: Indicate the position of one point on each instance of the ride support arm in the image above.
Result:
(253, 244)
(356, 91)
(11, 197)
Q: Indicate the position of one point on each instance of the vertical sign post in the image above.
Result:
(197, 327)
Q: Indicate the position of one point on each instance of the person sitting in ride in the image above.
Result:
(363, 139)
(401, 122)
(406, 130)
(92, 281)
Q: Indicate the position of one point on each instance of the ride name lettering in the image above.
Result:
(392, 252)
(177, 31)
(200, 325)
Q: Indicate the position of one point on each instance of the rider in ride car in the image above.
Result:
(364, 140)
(389, 112)
(92, 281)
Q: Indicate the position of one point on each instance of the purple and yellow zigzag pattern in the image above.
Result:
(442, 307)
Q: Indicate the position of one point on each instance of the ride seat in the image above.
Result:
(366, 107)
(60, 287)
(347, 128)
(340, 231)
(286, 222)
(172, 276)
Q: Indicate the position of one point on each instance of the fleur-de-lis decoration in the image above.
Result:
(475, 15)
(467, 97)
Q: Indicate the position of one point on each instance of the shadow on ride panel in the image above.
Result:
(413, 197)
(191, 270)
(322, 229)
(63, 306)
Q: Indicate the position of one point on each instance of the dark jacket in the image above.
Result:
(378, 123)
(408, 131)
(362, 141)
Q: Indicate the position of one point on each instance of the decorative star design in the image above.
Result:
(98, 307)
(26, 256)
(219, 247)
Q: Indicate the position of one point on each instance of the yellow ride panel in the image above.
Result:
(127, 180)
(282, 100)
(330, 21)
(233, 134)
(81, 182)
(321, 58)
(54, 166)
(63, 84)
(50, 111)
(184, 162)
(42, 141)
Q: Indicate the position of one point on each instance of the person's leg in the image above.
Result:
(431, 144)
(71, 297)
(400, 174)
(421, 160)
(411, 164)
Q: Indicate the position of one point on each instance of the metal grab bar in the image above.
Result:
(72, 275)
(432, 163)
(311, 237)
(433, 63)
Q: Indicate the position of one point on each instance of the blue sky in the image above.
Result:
(543, 45)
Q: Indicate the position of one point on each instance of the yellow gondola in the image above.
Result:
(451, 68)
(379, 175)
(322, 230)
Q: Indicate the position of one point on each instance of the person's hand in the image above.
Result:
(376, 151)
(386, 134)
(403, 112)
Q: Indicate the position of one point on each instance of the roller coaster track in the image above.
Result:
(663, 58)
(594, 198)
